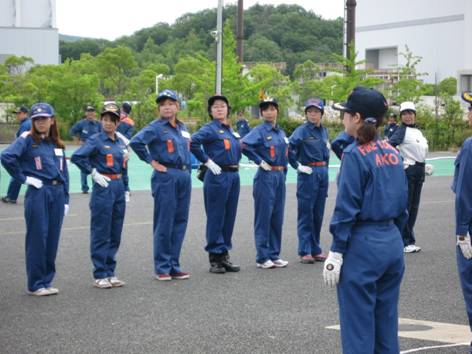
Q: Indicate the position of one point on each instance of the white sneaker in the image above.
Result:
(411, 249)
(115, 282)
(127, 196)
(280, 263)
(41, 292)
(266, 265)
(102, 283)
(53, 291)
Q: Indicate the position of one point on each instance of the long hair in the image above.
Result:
(53, 136)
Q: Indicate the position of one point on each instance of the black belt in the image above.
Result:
(176, 166)
(52, 182)
(230, 168)
(420, 163)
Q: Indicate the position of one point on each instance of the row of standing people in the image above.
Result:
(371, 200)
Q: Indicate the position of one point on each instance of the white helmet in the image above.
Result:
(407, 106)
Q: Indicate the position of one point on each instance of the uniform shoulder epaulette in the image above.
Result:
(25, 134)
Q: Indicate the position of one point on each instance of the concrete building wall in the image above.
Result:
(436, 30)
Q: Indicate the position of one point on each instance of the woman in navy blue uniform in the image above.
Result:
(413, 147)
(221, 154)
(37, 159)
(462, 187)
(165, 145)
(267, 146)
(309, 155)
(366, 258)
(104, 156)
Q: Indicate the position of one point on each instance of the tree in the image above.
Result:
(409, 87)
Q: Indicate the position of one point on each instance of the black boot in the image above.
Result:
(226, 263)
(215, 263)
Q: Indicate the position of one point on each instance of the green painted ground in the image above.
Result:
(140, 173)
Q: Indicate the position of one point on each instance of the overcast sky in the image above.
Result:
(111, 19)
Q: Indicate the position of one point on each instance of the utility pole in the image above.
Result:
(350, 28)
(240, 32)
(219, 46)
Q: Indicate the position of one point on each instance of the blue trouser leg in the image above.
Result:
(101, 210)
(264, 201)
(305, 206)
(83, 182)
(126, 179)
(319, 207)
(464, 266)
(277, 217)
(183, 194)
(56, 217)
(221, 193)
(415, 177)
(44, 211)
(13, 189)
(117, 220)
(369, 288)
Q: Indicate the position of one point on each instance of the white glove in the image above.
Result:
(304, 169)
(127, 196)
(332, 268)
(265, 166)
(213, 167)
(464, 243)
(123, 138)
(66, 209)
(428, 169)
(100, 179)
(35, 182)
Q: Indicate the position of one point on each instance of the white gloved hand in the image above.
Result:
(127, 196)
(123, 138)
(304, 169)
(100, 179)
(66, 209)
(213, 167)
(35, 182)
(265, 166)
(332, 268)
(428, 169)
(464, 243)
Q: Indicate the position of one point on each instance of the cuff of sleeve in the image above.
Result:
(148, 159)
(462, 229)
(339, 246)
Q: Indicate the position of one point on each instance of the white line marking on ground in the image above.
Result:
(434, 347)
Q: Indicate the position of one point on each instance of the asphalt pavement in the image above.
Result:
(253, 311)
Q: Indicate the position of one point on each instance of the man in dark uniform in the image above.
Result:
(85, 128)
(391, 126)
(25, 125)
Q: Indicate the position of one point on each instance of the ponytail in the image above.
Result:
(367, 132)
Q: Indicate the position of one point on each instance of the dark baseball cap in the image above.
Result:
(21, 109)
(111, 108)
(42, 109)
(367, 101)
(268, 101)
(314, 102)
(166, 94)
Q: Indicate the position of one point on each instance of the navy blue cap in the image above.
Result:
(268, 101)
(42, 110)
(111, 108)
(166, 94)
(21, 109)
(314, 102)
(367, 101)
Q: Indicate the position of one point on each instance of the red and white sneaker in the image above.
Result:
(180, 275)
(163, 277)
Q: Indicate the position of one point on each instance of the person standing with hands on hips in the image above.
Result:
(221, 154)
(413, 147)
(267, 146)
(25, 126)
(104, 156)
(366, 258)
(165, 145)
(462, 187)
(37, 159)
(309, 155)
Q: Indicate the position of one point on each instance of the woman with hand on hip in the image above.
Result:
(37, 159)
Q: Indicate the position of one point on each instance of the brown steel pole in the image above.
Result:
(350, 27)
(240, 32)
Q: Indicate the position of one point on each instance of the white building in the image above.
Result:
(28, 28)
(439, 31)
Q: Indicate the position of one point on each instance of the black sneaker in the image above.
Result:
(217, 268)
(8, 200)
